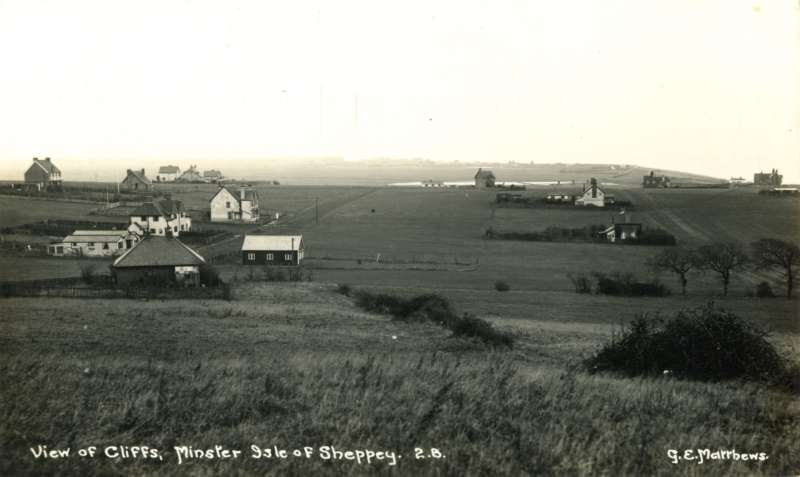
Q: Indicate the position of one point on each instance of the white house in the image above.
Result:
(592, 196)
(164, 218)
(168, 173)
(94, 243)
(234, 206)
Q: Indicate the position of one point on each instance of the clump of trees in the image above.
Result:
(728, 258)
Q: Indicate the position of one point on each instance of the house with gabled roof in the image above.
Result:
(43, 175)
(136, 181)
(278, 250)
(166, 217)
(484, 179)
(231, 205)
(212, 175)
(158, 261)
(168, 173)
(592, 195)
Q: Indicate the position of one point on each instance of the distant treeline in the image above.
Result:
(589, 233)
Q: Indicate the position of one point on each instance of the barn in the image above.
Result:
(157, 261)
(279, 250)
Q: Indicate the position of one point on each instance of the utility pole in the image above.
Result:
(316, 211)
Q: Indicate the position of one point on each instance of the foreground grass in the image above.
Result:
(297, 365)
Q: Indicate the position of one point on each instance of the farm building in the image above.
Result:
(653, 181)
(229, 205)
(484, 179)
(94, 243)
(768, 178)
(165, 217)
(136, 181)
(212, 175)
(285, 250)
(190, 175)
(624, 232)
(168, 173)
(158, 260)
(592, 195)
(43, 175)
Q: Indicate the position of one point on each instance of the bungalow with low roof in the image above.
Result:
(158, 261)
(280, 250)
(94, 243)
(136, 181)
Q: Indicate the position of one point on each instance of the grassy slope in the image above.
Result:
(295, 365)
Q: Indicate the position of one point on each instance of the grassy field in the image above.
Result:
(298, 365)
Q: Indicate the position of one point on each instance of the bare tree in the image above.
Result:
(676, 260)
(776, 253)
(722, 258)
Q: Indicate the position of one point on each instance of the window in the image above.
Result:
(175, 229)
(227, 205)
(144, 219)
(119, 244)
(251, 256)
(155, 218)
(105, 246)
(287, 257)
(91, 244)
(74, 244)
(152, 231)
(269, 257)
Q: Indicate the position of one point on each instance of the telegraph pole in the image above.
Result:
(316, 210)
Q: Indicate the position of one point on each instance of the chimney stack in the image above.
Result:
(241, 193)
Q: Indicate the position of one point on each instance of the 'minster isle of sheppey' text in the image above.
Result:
(188, 453)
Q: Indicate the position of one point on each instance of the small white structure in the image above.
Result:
(94, 243)
(592, 195)
(228, 205)
(168, 173)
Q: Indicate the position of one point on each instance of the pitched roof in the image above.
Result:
(139, 175)
(47, 165)
(272, 242)
(148, 208)
(110, 238)
(156, 251)
(249, 194)
(484, 173)
(168, 170)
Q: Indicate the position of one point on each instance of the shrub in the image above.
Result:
(656, 237)
(626, 285)
(343, 289)
(209, 276)
(581, 283)
(501, 286)
(472, 327)
(704, 343)
(87, 273)
(764, 290)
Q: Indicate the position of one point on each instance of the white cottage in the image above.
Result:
(228, 205)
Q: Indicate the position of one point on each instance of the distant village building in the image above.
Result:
(168, 173)
(280, 250)
(163, 218)
(768, 178)
(212, 176)
(191, 175)
(737, 180)
(157, 261)
(94, 243)
(43, 175)
(624, 232)
(560, 198)
(432, 183)
(652, 181)
(484, 179)
(136, 181)
(230, 205)
(592, 195)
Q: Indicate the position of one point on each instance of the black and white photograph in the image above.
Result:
(383, 238)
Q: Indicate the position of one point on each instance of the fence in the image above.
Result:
(28, 290)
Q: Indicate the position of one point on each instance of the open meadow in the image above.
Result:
(298, 364)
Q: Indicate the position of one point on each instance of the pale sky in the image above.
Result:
(710, 87)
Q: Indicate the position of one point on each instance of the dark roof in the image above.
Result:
(169, 206)
(47, 165)
(484, 173)
(139, 175)
(158, 252)
(148, 208)
(168, 170)
(212, 173)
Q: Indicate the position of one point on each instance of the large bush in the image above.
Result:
(704, 343)
(626, 285)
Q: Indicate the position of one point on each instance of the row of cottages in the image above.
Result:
(484, 179)
(94, 243)
(159, 260)
(136, 181)
(279, 250)
(173, 174)
(43, 175)
(166, 217)
(229, 205)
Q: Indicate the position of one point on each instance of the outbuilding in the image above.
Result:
(157, 261)
(278, 250)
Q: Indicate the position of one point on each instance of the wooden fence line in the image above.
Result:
(14, 290)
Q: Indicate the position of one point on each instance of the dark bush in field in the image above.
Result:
(435, 308)
(344, 289)
(656, 237)
(502, 285)
(581, 282)
(626, 285)
(764, 290)
(704, 343)
(88, 273)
